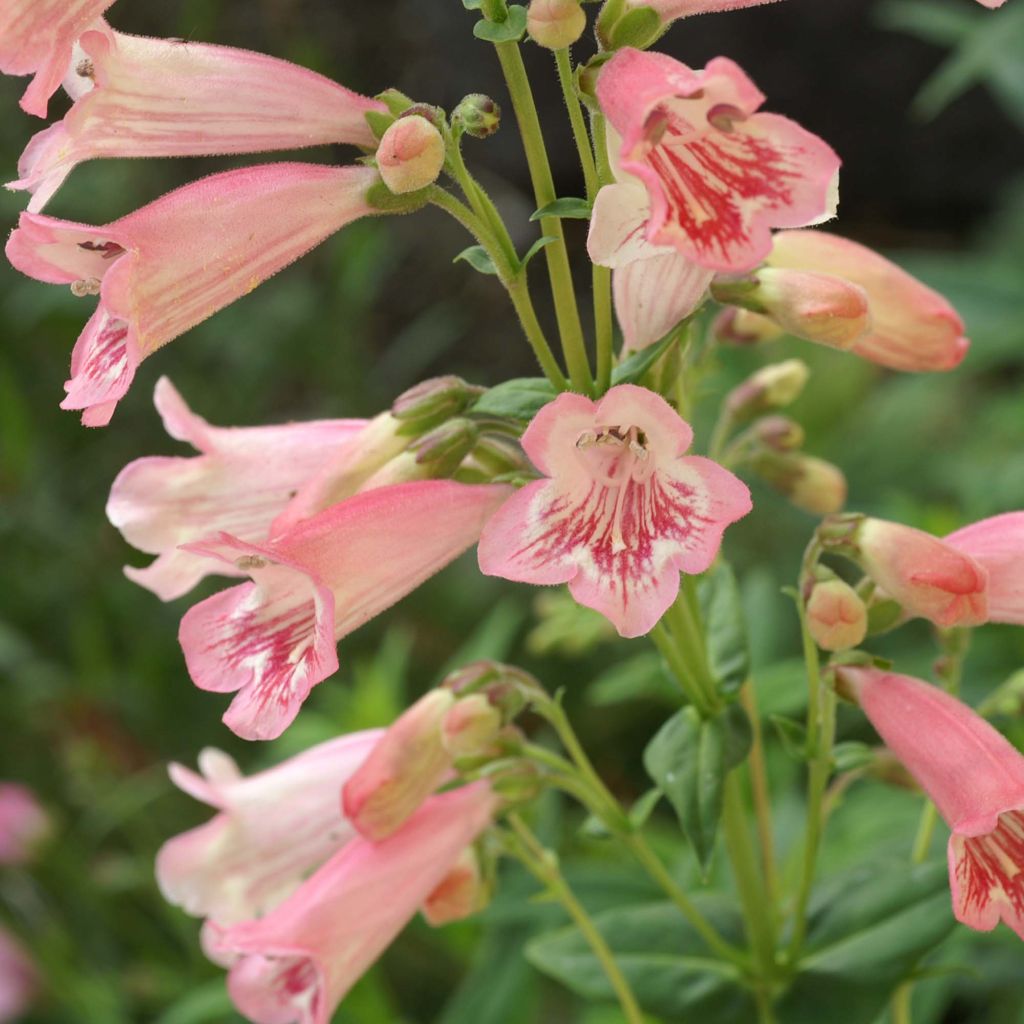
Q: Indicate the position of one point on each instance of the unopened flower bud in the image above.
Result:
(780, 433)
(495, 455)
(477, 115)
(819, 307)
(734, 326)
(408, 763)
(924, 574)
(771, 387)
(431, 402)
(446, 446)
(555, 24)
(812, 484)
(462, 892)
(470, 726)
(518, 783)
(836, 616)
(410, 155)
(507, 687)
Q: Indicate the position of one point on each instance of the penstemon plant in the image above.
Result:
(703, 209)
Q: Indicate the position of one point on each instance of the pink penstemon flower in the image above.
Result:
(997, 545)
(242, 478)
(175, 262)
(272, 828)
(974, 775)
(622, 510)
(912, 327)
(161, 97)
(273, 639)
(37, 37)
(297, 963)
(23, 824)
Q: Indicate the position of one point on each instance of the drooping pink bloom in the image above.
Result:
(929, 577)
(273, 639)
(297, 963)
(623, 510)
(23, 823)
(162, 97)
(718, 174)
(669, 10)
(37, 36)
(974, 775)
(273, 828)
(18, 980)
(913, 328)
(175, 262)
(997, 544)
(241, 480)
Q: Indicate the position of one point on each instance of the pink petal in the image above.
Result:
(653, 295)
(161, 97)
(997, 544)
(986, 875)
(617, 225)
(669, 10)
(18, 979)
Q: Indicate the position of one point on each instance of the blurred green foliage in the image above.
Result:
(96, 698)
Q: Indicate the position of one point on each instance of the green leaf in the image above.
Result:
(722, 611)
(511, 30)
(868, 928)
(851, 754)
(476, 256)
(536, 248)
(793, 736)
(644, 807)
(640, 362)
(472, 5)
(639, 678)
(570, 209)
(688, 759)
(665, 962)
(209, 1002)
(638, 27)
(520, 398)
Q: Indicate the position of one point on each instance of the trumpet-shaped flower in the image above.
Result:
(718, 174)
(296, 964)
(37, 38)
(622, 512)
(18, 980)
(242, 478)
(23, 823)
(912, 327)
(173, 263)
(997, 544)
(974, 775)
(273, 639)
(272, 829)
(163, 97)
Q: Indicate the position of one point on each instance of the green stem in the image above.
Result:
(482, 204)
(720, 435)
(599, 133)
(579, 125)
(569, 327)
(900, 1006)
(684, 620)
(925, 831)
(762, 795)
(515, 284)
(665, 641)
(544, 868)
(604, 329)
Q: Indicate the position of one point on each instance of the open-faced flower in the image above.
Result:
(717, 174)
(273, 639)
(173, 263)
(37, 38)
(18, 980)
(23, 823)
(997, 545)
(296, 964)
(144, 97)
(271, 830)
(622, 510)
(912, 327)
(242, 478)
(974, 775)
(929, 577)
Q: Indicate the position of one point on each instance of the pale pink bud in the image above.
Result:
(771, 387)
(23, 823)
(404, 768)
(470, 726)
(927, 576)
(410, 155)
(780, 433)
(555, 24)
(741, 327)
(818, 307)
(812, 484)
(836, 616)
(462, 892)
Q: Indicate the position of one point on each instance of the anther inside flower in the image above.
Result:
(623, 511)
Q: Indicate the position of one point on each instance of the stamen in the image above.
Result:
(724, 115)
(85, 286)
(247, 562)
(85, 69)
(110, 250)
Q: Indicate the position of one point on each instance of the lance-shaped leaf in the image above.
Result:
(722, 612)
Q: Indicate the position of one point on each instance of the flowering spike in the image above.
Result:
(623, 510)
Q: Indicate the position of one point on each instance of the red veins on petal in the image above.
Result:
(989, 875)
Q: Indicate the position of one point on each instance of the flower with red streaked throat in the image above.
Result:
(718, 174)
(622, 512)
(974, 775)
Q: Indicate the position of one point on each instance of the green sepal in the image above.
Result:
(511, 30)
(396, 101)
(381, 198)
(569, 209)
(638, 28)
(379, 122)
(478, 258)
